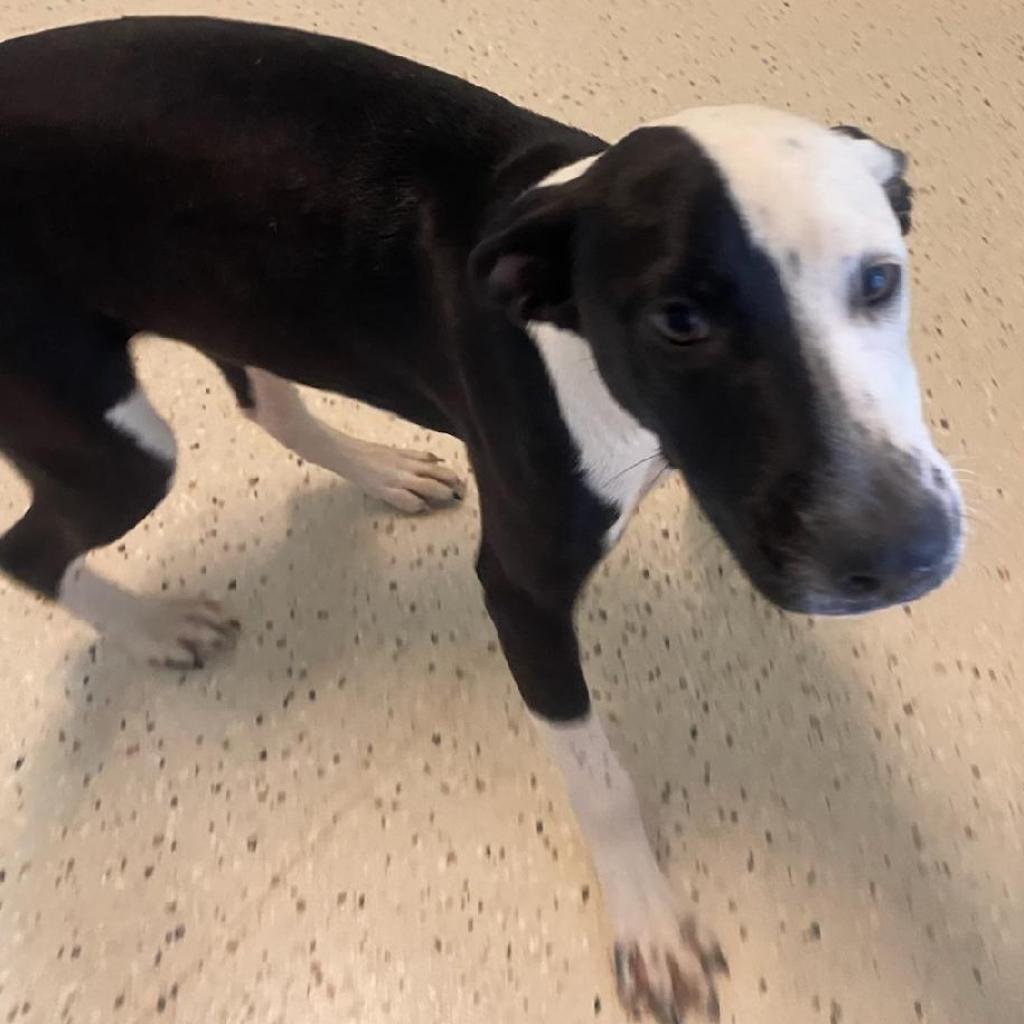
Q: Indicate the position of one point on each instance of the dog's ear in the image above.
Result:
(889, 168)
(525, 265)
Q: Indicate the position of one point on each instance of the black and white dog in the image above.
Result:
(723, 293)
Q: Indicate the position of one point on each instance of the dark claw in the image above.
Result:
(623, 981)
(664, 1013)
(684, 997)
(197, 660)
(175, 664)
(638, 971)
(714, 1009)
(223, 629)
(619, 957)
(715, 962)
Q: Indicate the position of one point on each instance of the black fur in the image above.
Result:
(306, 205)
(356, 222)
(897, 188)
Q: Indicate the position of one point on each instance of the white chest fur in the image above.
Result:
(620, 459)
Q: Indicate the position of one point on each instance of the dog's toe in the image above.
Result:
(412, 481)
(402, 499)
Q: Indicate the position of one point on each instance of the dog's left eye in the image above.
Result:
(878, 283)
(680, 323)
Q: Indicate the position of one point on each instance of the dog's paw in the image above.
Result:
(411, 481)
(668, 972)
(179, 632)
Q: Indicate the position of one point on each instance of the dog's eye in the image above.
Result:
(680, 322)
(878, 283)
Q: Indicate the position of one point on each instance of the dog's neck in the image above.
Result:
(620, 459)
(542, 163)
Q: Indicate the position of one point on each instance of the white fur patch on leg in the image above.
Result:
(94, 599)
(138, 419)
(411, 481)
(663, 964)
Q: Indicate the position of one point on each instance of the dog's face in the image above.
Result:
(741, 277)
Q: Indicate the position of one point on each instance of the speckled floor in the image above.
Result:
(351, 819)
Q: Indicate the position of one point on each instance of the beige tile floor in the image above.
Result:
(351, 822)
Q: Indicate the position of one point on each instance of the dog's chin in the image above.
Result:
(798, 596)
(786, 594)
(831, 606)
(795, 599)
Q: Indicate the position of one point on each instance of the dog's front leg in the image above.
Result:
(664, 965)
(663, 962)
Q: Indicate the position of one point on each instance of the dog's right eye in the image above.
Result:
(680, 322)
(878, 283)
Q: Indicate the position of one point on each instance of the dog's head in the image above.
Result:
(741, 277)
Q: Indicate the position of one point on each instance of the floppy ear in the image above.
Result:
(525, 265)
(888, 166)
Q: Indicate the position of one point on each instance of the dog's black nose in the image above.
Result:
(896, 559)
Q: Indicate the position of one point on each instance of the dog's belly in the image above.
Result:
(248, 304)
(394, 392)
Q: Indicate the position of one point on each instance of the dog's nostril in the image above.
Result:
(898, 558)
(862, 584)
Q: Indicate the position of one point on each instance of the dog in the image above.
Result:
(723, 293)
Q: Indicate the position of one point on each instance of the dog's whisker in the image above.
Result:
(640, 462)
(979, 514)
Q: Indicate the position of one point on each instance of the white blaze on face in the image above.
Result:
(812, 200)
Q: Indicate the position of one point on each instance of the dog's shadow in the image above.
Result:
(780, 759)
(342, 608)
(346, 594)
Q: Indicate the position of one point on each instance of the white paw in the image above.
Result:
(178, 632)
(411, 481)
(669, 972)
(665, 966)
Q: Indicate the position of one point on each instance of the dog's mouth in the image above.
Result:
(800, 593)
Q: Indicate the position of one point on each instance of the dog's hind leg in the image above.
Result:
(98, 459)
(411, 481)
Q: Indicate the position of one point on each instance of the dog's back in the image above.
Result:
(177, 173)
